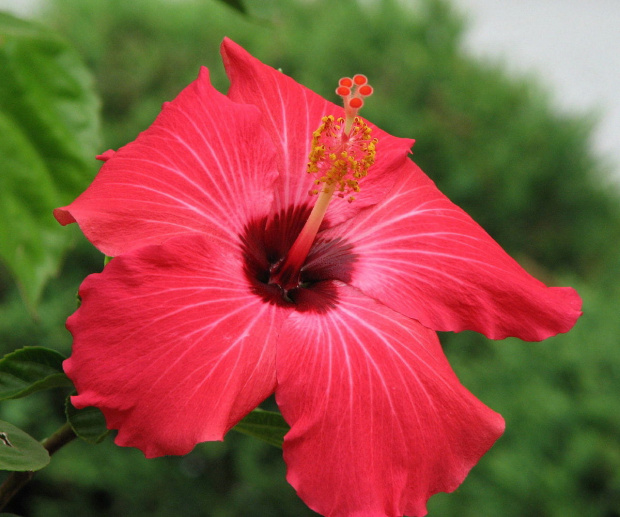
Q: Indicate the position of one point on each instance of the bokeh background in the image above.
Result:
(494, 142)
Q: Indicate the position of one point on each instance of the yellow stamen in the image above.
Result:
(339, 158)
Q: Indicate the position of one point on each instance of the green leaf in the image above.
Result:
(49, 133)
(265, 425)
(20, 451)
(88, 423)
(30, 369)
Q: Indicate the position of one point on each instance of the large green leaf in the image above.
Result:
(88, 423)
(49, 132)
(265, 425)
(30, 369)
(20, 451)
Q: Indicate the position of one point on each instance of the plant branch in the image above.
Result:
(17, 480)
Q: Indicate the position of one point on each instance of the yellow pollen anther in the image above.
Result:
(340, 159)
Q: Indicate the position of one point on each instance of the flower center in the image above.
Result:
(267, 239)
(342, 152)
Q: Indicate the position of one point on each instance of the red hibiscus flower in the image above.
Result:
(232, 282)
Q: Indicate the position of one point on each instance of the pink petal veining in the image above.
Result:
(182, 349)
(191, 171)
(423, 256)
(379, 420)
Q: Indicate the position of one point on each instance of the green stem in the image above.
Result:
(17, 480)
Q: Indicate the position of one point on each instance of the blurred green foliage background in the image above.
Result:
(491, 142)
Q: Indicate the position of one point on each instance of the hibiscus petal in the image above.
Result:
(188, 172)
(292, 113)
(171, 345)
(379, 421)
(423, 256)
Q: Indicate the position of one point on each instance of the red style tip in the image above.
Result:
(365, 90)
(356, 103)
(343, 91)
(353, 90)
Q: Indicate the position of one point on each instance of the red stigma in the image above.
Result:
(353, 90)
(365, 90)
(343, 91)
(356, 103)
